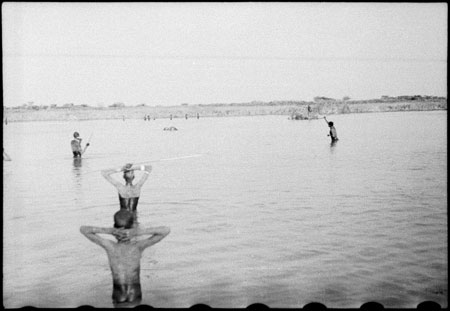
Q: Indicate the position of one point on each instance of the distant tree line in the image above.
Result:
(318, 99)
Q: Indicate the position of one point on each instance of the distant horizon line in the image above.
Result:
(229, 57)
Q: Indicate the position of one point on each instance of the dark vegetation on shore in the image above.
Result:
(320, 106)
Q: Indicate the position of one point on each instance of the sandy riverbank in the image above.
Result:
(217, 110)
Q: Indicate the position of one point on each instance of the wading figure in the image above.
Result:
(128, 194)
(125, 254)
(77, 150)
(333, 133)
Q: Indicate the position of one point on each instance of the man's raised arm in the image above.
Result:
(92, 234)
(85, 147)
(108, 172)
(147, 169)
(157, 234)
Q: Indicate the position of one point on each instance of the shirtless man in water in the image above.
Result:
(333, 133)
(128, 193)
(77, 150)
(125, 254)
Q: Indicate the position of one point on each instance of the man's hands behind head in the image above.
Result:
(124, 235)
(127, 167)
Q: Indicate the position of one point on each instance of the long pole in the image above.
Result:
(159, 160)
(89, 140)
(170, 159)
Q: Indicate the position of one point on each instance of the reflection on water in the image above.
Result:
(333, 147)
(128, 304)
(77, 177)
(270, 212)
(77, 171)
(77, 162)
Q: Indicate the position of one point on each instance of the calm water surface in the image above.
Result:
(267, 211)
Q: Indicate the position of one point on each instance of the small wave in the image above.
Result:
(99, 205)
(17, 217)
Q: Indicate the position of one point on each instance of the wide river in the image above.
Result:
(261, 210)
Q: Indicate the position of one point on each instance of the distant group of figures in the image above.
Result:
(148, 118)
(186, 116)
(169, 128)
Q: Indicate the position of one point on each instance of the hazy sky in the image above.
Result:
(201, 53)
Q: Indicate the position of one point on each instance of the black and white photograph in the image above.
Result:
(225, 154)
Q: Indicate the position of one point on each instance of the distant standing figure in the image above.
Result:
(125, 254)
(5, 156)
(77, 150)
(186, 116)
(198, 116)
(333, 133)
